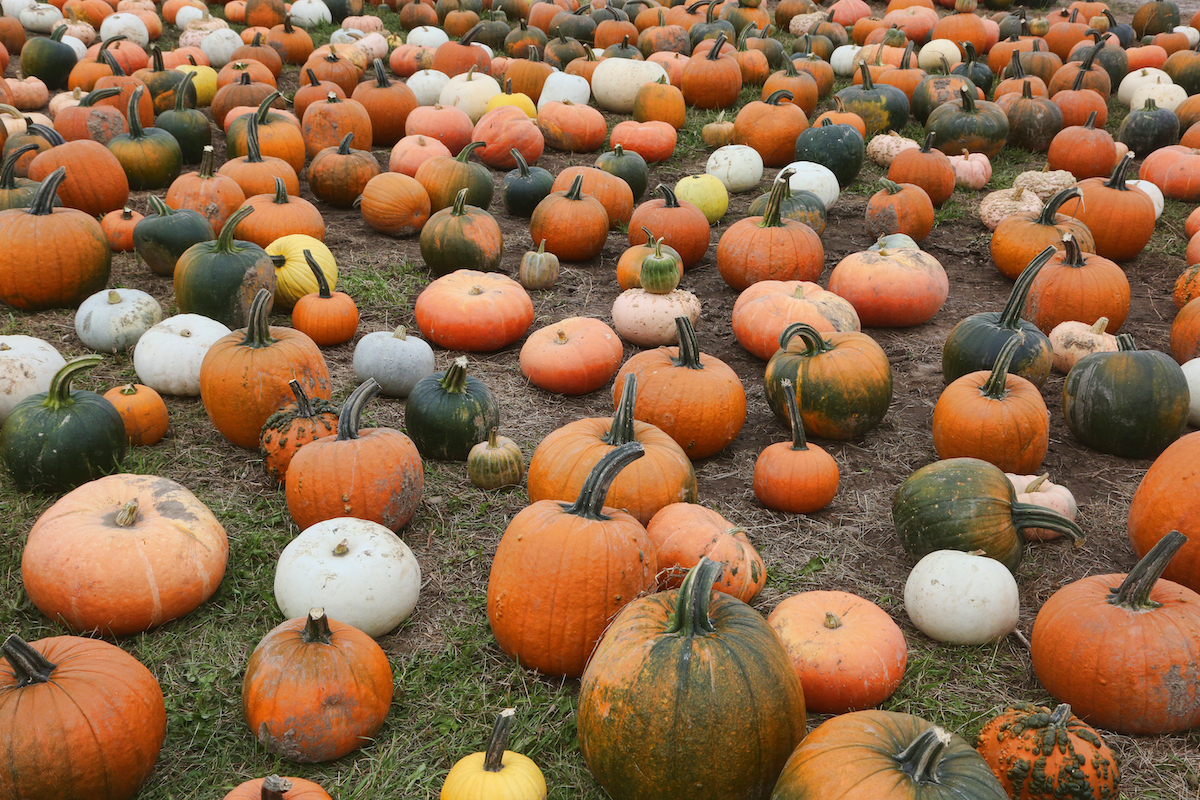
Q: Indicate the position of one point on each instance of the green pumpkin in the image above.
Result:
(969, 124)
(190, 127)
(447, 413)
(220, 278)
(18, 192)
(461, 237)
(524, 187)
(1148, 128)
(711, 28)
(162, 237)
(1131, 403)
(151, 157)
(968, 504)
(61, 438)
(340, 9)
(495, 463)
(978, 71)
(1154, 17)
(163, 84)
(976, 341)
(882, 107)
(689, 694)
(936, 90)
(48, 58)
(800, 205)
(628, 166)
(1033, 122)
(839, 147)
(1113, 60)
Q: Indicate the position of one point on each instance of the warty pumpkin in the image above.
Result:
(292, 426)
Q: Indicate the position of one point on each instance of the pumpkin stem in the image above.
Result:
(28, 665)
(273, 787)
(1028, 515)
(920, 759)
(590, 503)
(318, 273)
(128, 514)
(253, 154)
(1036, 483)
(1134, 591)
(689, 350)
(304, 406)
(460, 203)
(455, 379)
(225, 242)
(135, 121)
(470, 148)
(621, 431)
(668, 195)
(1050, 210)
(264, 107)
(996, 386)
(316, 628)
(8, 175)
(258, 324)
(792, 404)
(43, 199)
(1117, 181)
(206, 163)
(351, 411)
(494, 755)
(1125, 343)
(59, 394)
(814, 343)
(831, 621)
(522, 164)
(181, 92)
(160, 207)
(576, 190)
(1010, 317)
(691, 604)
(773, 214)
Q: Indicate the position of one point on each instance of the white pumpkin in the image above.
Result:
(80, 29)
(971, 170)
(931, 55)
(427, 85)
(188, 14)
(470, 92)
(427, 36)
(1191, 33)
(309, 14)
(959, 598)
(648, 320)
(76, 44)
(616, 81)
(844, 60)
(394, 359)
(113, 320)
(13, 8)
(1191, 371)
(1164, 95)
(40, 17)
(26, 367)
(16, 124)
(1071, 341)
(373, 45)
(560, 86)
(1044, 183)
(65, 100)
(219, 46)
(168, 356)
(125, 24)
(738, 166)
(1156, 194)
(1039, 491)
(360, 572)
(1146, 76)
(345, 36)
(803, 23)
(816, 178)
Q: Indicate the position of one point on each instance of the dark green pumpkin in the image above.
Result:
(461, 237)
(711, 28)
(220, 278)
(1184, 68)
(450, 412)
(151, 157)
(562, 50)
(577, 24)
(800, 205)
(163, 84)
(1033, 122)
(48, 58)
(968, 124)
(1148, 128)
(61, 438)
(689, 694)
(1131, 403)
(493, 29)
(976, 341)
(838, 146)
(628, 166)
(340, 9)
(936, 90)
(1155, 17)
(978, 71)
(772, 48)
(18, 192)
(968, 504)
(524, 187)
(623, 49)
(1113, 60)
(190, 127)
(162, 237)
(882, 107)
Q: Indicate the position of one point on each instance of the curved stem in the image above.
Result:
(621, 430)
(253, 154)
(996, 386)
(1028, 515)
(274, 787)
(773, 213)
(264, 107)
(668, 195)
(1050, 210)
(522, 165)
(8, 175)
(28, 665)
(590, 503)
(576, 190)
(1010, 317)
(316, 628)
(792, 404)
(304, 406)
(1117, 181)
(689, 349)
(351, 411)
(135, 121)
(814, 343)
(59, 394)
(494, 754)
(318, 273)
(920, 760)
(258, 323)
(181, 91)
(225, 242)
(691, 604)
(1134, 591)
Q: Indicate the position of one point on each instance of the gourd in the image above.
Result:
(394, 359)
(360, 572)
(648, 320)
(113, 320)
(167, 357)
(447, 413)
(495, 463)
(1038, 489)
(960, 598)
(496, 772)
(574, 356)
(27, 365)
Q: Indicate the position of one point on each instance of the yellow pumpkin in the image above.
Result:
(293, 277)
(496, 773)
(204, 82)
(518, 99)
(707, 193)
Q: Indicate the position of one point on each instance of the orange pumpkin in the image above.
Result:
(795, 476)
(766, 308)
(573, 225)
(770, 247)
(684, 533)
(654, 141)
(142, 410)
(574, 356)
(680, 225)
(293, 425)
(473, 311)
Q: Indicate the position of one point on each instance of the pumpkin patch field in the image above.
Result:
(521, 400)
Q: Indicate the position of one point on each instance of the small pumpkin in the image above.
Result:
(142, 410)
(495, 463)
(495, 772)
(292, 426)
(447, 413)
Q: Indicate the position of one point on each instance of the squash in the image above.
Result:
(215, 278)
(447, 413)
(647, 319)
(496, 772)
(274, 787)
(293, 426)
(394, 359)
(113, 320)
(473, 311)
(793, 476)
(167, 357)
(960, 598)
(575, 356)
(495, 463)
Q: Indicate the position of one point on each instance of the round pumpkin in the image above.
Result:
(473, 311)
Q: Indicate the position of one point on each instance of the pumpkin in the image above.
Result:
(395, 204)
(994, 416)
(793, 476)
(274, 787)
(279, 214)
(495, 463)
(968, 504)
(213, 196)
(538, 269)
(769, 247)
(849, 653)
(575, 356)
(374, 474)
(1164, 501)
(1020, 237)
(162, 237)
(570, 567)
(843, 381)
(328, 318)
(447, 413)
(524, 187)
(316, 689)
(354, 568)
(337, 175)
(118, 226)
(1096, 624)
(747, 702)
(101, 717)
(571, 127)
(168, 356)
(244, 376)
(61, 438)
(292, 426)
(925, 167)
(113, 320)
(891, 288)
(678, 223)
(213, 278)
(961, 598)
(1121, 220)
(151, 552)
(461, 237)
(395, 360)
(574, 225)
(647, 319)
(1033, 750)
(1072, 341)
(473, 311)
(707, 193)
(142, 410)
(766, 308)
(694, 398)
(683, 533)
(611, 190)
(900, 208)
(151, 157)
(1078, 286)
(495, 772)
(561, 462)
(444, 177)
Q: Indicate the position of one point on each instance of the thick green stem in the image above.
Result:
(920, 760)
(621, 431)
(181, 91)
(1050, 210)
(494, 754)
(1010, 317)
(59, 394)
(316, 628)
(1134, 591)
(318, 273)
(792, 404)
(226, 242)
(996, 386)
(1028, 515)
(455, 379)
(258, 324)
(689, 348)
(304, 407)
(590, 503)
(351, 412)
(8, 175)
(695, 594)
(814, 343)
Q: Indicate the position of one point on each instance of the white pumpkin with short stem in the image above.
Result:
(64, 100)
(427, 85)
(1135, 80)
(1191, 371)
(112, 320)
(168, 356)
(13, 8)
(816, 178)
(1193, 35)
(1165, 95)
(394, 359)
(844, 61)
(27, 365)
(1039, 491)
(189, 14)
(1071, 341)
(961, 598)
(648, 320)
(125, 24)
(738, 166)
(219, 45)
(930, 58)
(470, 91)
(373, 44)
(560, 86)
(76, 44)
(40, 17)
(971, 170)
(309, 14)
(616, 81)
(360, 572)
(345, 36)
(427, 36)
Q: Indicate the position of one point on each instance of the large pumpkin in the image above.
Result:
(1167, 499)
(891, 288)
(680, 677)
(473, 311)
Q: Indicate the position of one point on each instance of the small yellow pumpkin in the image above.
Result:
(495, 774)
(204, 81)
(293, 277)
(510, 98)
(707, 193)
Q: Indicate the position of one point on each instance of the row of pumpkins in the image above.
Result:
(605, 742)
